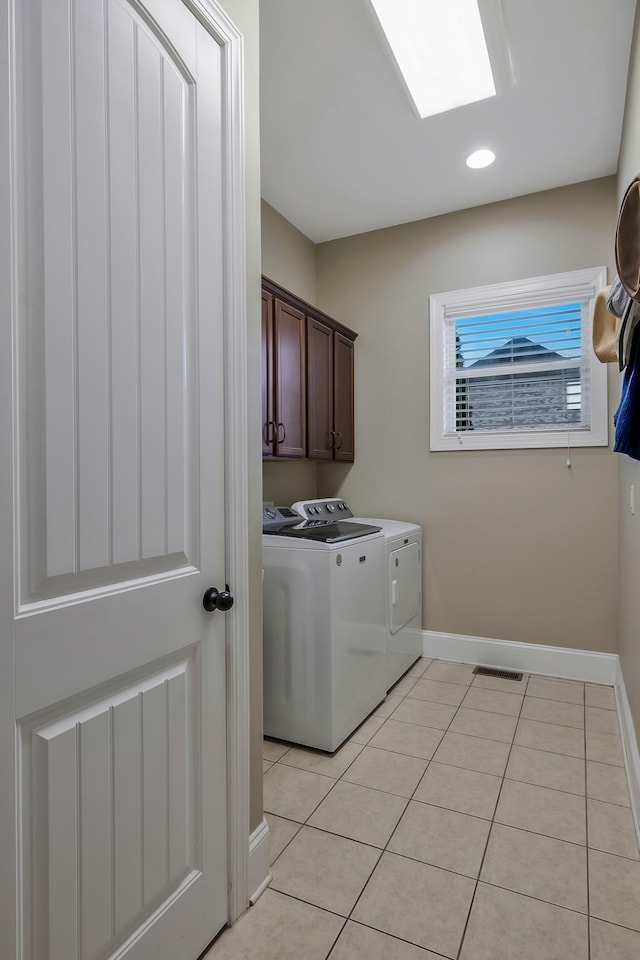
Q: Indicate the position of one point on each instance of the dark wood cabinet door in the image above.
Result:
(319, 390)
(290, 394)
(307, 380)
(343, 403)
(268, 418)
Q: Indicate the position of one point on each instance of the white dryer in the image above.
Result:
(402, 582)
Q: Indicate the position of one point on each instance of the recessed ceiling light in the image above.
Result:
(441, 50)
(480, 158)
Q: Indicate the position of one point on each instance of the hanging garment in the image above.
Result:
(627, 311)
(625, 333)
(627, 416)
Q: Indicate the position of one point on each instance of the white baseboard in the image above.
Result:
(258, 870)
(529, 657)
(630, 749)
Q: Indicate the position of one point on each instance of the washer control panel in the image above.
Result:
(334, 507)
(274, 518)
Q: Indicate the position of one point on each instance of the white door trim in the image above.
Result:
(216, 21)
(9, 880)
(259, 870)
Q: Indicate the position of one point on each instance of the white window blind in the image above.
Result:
(512, 365)
(518, 370)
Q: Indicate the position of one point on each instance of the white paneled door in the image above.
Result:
(118, 447)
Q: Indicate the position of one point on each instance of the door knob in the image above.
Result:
(215, 599)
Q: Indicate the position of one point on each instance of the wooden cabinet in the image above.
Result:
(284, 426)
(289, 361)
(343, 411)
(329, 393)
(320, 430)
(307, 380)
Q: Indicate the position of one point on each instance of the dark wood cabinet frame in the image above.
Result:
(307, 380)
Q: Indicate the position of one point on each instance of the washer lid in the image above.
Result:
(393, 529)
(324, 532)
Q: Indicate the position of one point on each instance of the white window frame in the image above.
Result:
(575, 286)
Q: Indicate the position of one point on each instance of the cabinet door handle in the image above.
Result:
(281, 439)
(339, 440)
(269, 431)
(332, 442)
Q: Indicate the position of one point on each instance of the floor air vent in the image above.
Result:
(503, 674)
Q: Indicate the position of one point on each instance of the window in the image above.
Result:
(512, 365)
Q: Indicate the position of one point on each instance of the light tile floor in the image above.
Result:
(470, 818)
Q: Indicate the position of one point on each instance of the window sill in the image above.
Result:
(534, 441)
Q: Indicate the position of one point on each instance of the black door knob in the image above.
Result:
(215, 599)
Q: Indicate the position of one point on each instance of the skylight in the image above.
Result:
(441, 50)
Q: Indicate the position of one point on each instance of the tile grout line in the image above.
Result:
(292, 896)
(429, 762)
(300, 826)
(381, 850)
(408, 800)
(384, 849)
(493, 820)
(393, 936)
(518, 717)
(488, 883)
(333, 945)
(306, 821)
(386, 793)
(329, 833)
(571, 755)
(457, 873)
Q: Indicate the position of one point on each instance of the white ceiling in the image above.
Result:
(343, 152)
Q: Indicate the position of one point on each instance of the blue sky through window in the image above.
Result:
(556, 328)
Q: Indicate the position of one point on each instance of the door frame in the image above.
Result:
(218, 24)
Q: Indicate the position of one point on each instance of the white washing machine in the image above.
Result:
(402, 582)
(324, 626)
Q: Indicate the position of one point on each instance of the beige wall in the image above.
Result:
(630, 469)
(517, 546)
(289, 258)
(244, 14)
